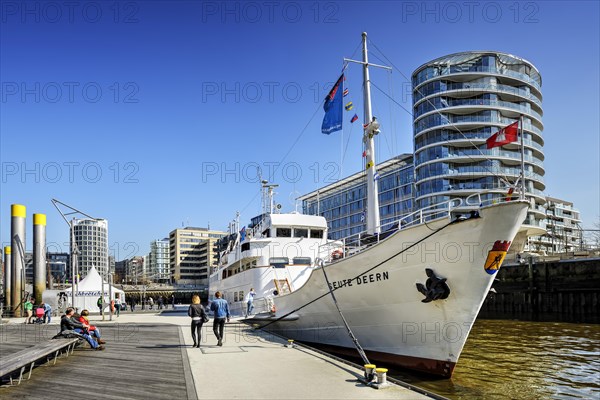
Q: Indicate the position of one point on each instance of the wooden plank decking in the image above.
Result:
(140, 361)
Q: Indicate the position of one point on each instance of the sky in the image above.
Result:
(156, 114)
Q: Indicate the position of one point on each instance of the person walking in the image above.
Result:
(221, 311)
(250, 302)
(28, 306)
(100, 304)
(151, 302)
(198, 315)
(173, 301)
(118, 305)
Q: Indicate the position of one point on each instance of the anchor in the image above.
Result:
(434, 289)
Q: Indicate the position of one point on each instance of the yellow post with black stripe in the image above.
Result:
(17, 239)
(7, 277)
(39, 256)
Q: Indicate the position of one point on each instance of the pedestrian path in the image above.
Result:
(141, 361)
(151, 356)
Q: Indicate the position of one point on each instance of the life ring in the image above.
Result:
(337, 254)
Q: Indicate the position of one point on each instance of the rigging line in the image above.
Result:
(392, 99)
(286, 154)
(377, 143)
(435, 109)
(346, 148)
(345, 66)
(392, 124)
(354, 339)
(502, 178)
(250, 202)
(363, 273)
(298, 138)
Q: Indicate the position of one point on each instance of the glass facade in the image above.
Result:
(459, 101)
(158, 261)
(91, 237)
(343, 204)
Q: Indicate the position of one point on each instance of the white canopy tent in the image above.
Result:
(89, 290)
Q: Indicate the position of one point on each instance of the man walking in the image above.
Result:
(118, 305)
(250, 302)
(100, 303)
(221, 311)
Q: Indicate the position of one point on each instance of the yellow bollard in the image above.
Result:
(369, 375)
(381, 375)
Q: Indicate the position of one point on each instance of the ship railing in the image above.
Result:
(358, 242)
(435, 211)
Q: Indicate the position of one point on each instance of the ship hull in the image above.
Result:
(377, 293)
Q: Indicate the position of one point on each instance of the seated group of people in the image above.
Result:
(80, 324)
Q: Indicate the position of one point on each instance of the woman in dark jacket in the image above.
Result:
(198, 314)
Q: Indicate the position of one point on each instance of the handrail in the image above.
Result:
(355, 243)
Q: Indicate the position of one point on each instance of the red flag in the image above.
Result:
(505, 135)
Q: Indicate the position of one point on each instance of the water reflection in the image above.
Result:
(525, 360)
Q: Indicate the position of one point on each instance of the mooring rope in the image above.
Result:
(354, 339)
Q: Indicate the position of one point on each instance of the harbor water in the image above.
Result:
(506, 359)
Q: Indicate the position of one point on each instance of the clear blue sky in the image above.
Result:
(133, 111)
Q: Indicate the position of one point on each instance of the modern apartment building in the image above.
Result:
(135, 272)
(459, 101)
(158, 261)
(91, 237)
(192, 251)
(120, 271)
(343, 203)
(563, 232)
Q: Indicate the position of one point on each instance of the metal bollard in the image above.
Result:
(381, 375)
(369, 375)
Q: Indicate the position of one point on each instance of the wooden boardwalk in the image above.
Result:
(146, 361)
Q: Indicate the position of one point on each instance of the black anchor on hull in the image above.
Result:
(434, 289)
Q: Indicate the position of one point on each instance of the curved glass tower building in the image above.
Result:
(459, 101)
(91, 236)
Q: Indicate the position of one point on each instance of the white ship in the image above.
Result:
(403, 295)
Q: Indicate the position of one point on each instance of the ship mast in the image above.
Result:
(371, 128)
(373, 222)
